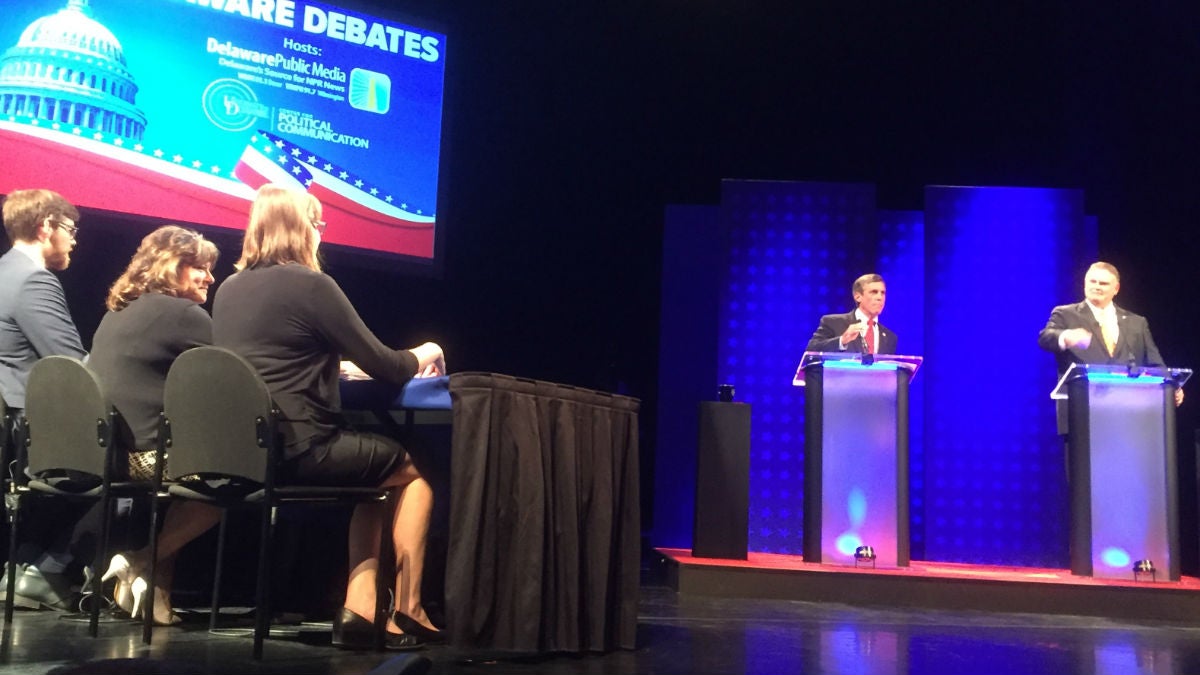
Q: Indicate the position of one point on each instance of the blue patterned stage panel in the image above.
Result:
(794, 249)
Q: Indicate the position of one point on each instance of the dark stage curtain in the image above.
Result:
(544, 516)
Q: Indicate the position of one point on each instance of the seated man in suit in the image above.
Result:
(1096, 330)
(34, 322)
(859, 330)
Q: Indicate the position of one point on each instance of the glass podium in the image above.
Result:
(1121, 458)
(856, 457)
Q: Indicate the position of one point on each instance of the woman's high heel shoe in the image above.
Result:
(138, 589)
(123, 596)
(351, 631)
(118, 567)
(411, 626)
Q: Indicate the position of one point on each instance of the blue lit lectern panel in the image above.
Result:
(1128, 474)
(859, 471)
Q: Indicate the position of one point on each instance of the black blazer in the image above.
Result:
(1134, 344)
(829, 332)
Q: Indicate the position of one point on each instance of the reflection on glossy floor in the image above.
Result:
(678, 635)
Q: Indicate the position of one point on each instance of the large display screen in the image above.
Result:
(180, 109)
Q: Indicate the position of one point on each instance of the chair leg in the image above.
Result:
(106, 516)
(216, 590)
(262, 596)
(12, 508)
(12, 505)
(148, 617)
(384, 573)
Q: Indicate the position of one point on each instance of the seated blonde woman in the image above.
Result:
(154, 315)
(294, 324)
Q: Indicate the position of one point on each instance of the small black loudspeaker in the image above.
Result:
(722, 481)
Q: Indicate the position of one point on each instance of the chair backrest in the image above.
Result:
(68, 420)
(220, 416)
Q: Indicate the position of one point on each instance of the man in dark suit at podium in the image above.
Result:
(859, 330)
(1096, 330)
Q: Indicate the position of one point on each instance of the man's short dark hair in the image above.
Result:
(24, 211)
(861, 282)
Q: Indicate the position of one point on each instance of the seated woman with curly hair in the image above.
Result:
(154, 315)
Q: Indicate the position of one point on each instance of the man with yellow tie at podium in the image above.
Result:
(859, 330)
(1098, 331)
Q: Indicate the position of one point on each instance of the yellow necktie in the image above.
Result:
(1108, 331)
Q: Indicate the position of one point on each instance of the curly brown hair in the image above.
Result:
(154, 268)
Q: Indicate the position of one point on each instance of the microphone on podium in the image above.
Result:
(867, 357)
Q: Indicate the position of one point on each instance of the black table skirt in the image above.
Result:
(544, 516)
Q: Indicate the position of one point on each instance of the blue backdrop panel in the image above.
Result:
(693, 260)
(794, 250)
(902, 264)
(997, 260)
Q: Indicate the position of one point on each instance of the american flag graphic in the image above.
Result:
(348, 199)
(271, 159)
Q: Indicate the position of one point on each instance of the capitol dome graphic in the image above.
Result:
(67, 68)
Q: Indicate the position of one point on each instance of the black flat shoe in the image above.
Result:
(411, 626)
(351, 631)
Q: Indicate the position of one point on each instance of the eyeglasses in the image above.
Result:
(70, 227)
(319, 226)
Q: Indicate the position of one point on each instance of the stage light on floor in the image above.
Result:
(1142, 568)
(864, 555)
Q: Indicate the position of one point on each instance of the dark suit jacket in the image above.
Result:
(34, 322)
(829, 332)
(1134, 344)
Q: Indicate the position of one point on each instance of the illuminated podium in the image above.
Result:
(856, 457)
(1121, 458)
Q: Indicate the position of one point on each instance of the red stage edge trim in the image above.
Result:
(929, 585)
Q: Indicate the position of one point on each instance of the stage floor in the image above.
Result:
(678, 634)
(934, 585)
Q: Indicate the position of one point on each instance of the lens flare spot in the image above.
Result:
(1115, 557)
(848, 543)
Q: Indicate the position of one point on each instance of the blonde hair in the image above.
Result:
(281, 229)
(154, 268)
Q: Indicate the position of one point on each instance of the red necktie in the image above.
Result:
(870, 336)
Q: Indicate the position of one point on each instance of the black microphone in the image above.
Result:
(1132, 366)
(867, 357)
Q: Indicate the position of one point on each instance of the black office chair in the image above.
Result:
(69, 451)
(219, 435)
